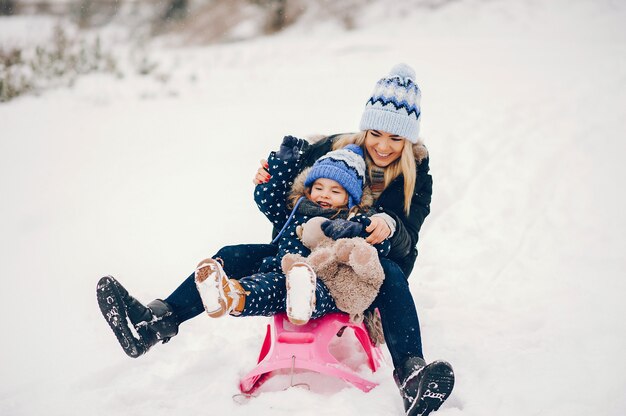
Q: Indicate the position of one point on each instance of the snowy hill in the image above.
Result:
(520, 278)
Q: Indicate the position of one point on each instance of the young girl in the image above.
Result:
(331, 188)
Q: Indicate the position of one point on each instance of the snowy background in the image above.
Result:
(521, 274)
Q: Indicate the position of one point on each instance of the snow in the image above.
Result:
(20, 31)
(520, 277)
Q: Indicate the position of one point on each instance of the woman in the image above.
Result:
(397, 165)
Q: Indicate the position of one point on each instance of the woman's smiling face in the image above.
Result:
(384, 148)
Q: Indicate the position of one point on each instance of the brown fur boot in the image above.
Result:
(220, 295)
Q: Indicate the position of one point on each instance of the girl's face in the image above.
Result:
(384, 148)
(327, 193)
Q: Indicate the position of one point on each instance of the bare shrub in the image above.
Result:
(59, 62)
(230, 20)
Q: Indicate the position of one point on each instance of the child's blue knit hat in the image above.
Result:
(346, 166)
(394, 106)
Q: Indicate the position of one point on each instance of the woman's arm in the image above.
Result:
(406, 235)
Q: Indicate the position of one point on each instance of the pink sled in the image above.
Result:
(288, 346)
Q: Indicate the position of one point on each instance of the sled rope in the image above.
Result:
(293, 211)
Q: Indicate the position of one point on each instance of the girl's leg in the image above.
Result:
(398, 315)
(239, 260)
(268, 293)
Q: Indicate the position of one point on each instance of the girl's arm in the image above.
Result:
(271, 196)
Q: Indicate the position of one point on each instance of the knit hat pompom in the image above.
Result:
(394, 106)
(402, 71)
(345, 166)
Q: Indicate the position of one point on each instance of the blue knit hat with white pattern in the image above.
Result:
(345, 166)
(394, 106)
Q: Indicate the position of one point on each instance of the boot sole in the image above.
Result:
(209, 281)
(304, 287)
(114, 311)
(435, 387)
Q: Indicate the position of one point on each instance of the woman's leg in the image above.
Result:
(398, 315)
(423, 387)
(239, 260)
(268, 293)
(244, 259)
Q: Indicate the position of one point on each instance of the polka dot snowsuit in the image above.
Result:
(267, 288)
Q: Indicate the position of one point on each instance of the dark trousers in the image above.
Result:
(268, 294)
(239, 261)
(398, 314)
(394, 301)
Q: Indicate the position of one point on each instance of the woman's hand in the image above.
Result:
(378, 229)
(262, 175)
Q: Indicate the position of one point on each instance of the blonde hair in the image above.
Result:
(404, 165)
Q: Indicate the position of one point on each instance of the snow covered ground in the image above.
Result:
(520, 278)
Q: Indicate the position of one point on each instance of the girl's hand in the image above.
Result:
(378, 229)
(262, 175)
(290, 148)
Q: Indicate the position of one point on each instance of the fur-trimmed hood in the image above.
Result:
(298, 190)
(420, 151)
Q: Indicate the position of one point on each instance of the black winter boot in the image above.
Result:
(424, 387)
(137, 327)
